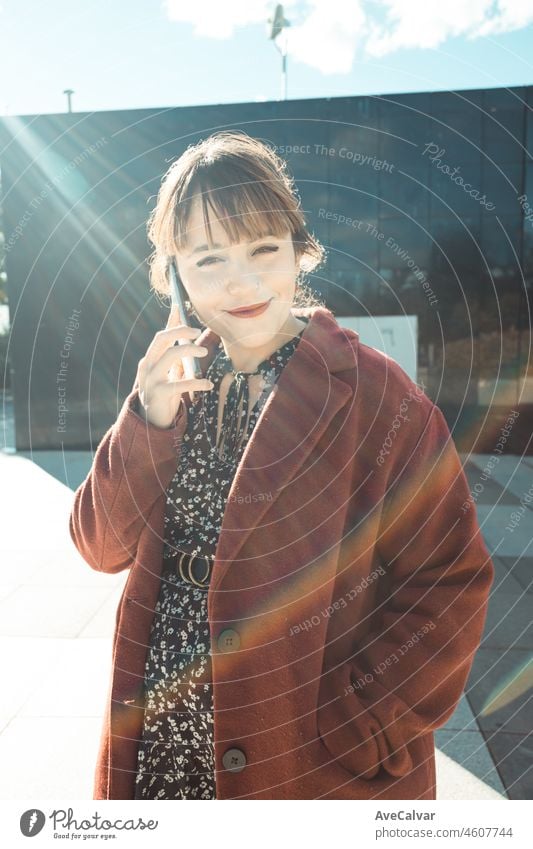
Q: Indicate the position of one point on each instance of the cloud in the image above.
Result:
(329, 34)
(417, 23)
(220, 19)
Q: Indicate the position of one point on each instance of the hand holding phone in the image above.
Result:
(191, 365)
(160, 396)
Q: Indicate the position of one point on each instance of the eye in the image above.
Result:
(270, 248)
(207, 260)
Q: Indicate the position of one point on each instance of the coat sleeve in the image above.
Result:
(407, 676)
(132, 466)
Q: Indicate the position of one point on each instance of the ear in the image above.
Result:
(299, 254)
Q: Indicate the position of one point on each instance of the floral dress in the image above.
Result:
(176, 751)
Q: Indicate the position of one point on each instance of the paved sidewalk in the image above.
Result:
(57, 619)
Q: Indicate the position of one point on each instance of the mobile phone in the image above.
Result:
(191, 365)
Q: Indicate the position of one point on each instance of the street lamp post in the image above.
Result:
(278, 23)
(69, 92)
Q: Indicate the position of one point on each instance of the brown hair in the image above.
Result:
(247, 185)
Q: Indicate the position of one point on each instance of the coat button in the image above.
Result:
(234, 760)
(228, 640)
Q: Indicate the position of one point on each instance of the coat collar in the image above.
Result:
(295, 416)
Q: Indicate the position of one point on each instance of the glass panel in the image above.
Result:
(404, 125)
(456, 125)
(455, 185)
(502, 183)
(499, 312)
(406, 194)
(503, 124)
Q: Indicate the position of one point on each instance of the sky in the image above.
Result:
(167, 53)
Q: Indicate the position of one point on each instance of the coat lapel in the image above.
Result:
(296, 415)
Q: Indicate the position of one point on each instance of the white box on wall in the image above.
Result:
(395, 335)
(4, 318)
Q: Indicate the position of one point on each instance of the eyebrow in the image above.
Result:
(217, 247)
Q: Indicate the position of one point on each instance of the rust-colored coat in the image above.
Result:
(347, 563)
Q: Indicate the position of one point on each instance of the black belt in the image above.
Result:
(194, 569)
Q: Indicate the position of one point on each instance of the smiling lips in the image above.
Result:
(251, 311)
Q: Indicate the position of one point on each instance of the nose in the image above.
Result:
(242, 279)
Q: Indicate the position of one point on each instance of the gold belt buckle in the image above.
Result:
(191, 579)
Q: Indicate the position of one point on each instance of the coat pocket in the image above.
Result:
(361, 736)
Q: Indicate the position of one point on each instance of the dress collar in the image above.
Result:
(333, 347)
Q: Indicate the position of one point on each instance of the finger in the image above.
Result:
(193, 384)
(166, 338)
(141, 369)
(171, 360)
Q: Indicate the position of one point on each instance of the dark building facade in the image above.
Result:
(424, 203)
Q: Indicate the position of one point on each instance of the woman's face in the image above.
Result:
(233, 276)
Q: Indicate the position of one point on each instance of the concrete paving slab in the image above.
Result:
(25, 664)
(500, 690)
(487, 491)
(42, 611)
(5, 590)
(468, 750)
(27, 492)
(75, 683)
(103, 622)
(50, 757)
(510, 472)
(462, 718)
(513, 754)
(509, 622)
(68, 467)
(504, 580)
(65, 567)
(521, 568)
(493, 522)
(454, 782)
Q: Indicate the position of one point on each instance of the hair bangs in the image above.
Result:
(247, 212)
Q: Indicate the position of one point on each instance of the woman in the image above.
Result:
(305, 593)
